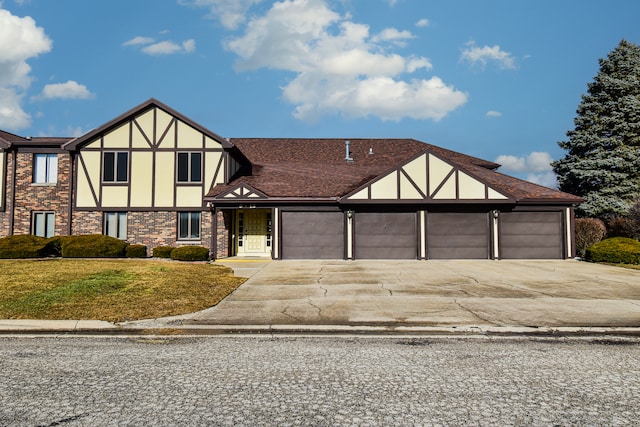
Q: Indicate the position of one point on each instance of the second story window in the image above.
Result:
(45, 168)
(189, 167)
(115, 167)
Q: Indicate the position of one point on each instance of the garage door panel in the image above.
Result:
(530, 229)
(388, 235)
(458, 241)
(312, 235)
(455, 235)
(531, 235)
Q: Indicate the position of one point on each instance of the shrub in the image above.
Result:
(93, 246)
(162, 251)
(634, 218)
(620, 226)
(190, 253)
(27, 246)
(136, 251)
(588, 232)
(617, 250)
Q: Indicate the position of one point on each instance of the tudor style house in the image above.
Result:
(152, 176)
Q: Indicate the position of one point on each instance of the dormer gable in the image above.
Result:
(427, 177)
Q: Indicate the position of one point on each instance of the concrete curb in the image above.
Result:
(7, 325)
(97, 327)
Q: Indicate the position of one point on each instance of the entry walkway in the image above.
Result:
(429, 293)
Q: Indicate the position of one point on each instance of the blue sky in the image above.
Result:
(496, 79)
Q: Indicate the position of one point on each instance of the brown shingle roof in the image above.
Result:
(316, 168)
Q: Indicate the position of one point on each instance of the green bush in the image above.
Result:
(617, 250)
(136, 251)
(93, 246)
(190, 253)
(162, 251)
(28, 246)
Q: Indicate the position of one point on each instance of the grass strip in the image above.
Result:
(112, 290)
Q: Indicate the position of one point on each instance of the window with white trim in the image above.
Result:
(189, 167)
(43, 224)
(115, 166)
(45, 168)
(189, 225)
(115, 224)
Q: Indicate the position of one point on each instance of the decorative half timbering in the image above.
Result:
(427, 177)
(147, 154)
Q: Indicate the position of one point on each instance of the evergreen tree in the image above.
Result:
(603, 160)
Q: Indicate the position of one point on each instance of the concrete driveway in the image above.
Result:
(430, 293)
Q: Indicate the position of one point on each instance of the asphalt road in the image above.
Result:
(159, 381)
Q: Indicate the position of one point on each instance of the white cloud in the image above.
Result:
(20, 40)
(492, 113)
(393, 35)
(422, 23)
(150, 47)
(69, 90)
(483, 55)
(535, 167)
(12, 116)
(231, 13)
(340, 67)
(138, 41)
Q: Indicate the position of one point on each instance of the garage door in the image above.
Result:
(530, 235)
(385, 235)
(458, 235)
(312, 235)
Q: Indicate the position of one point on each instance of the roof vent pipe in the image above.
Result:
(347, 156)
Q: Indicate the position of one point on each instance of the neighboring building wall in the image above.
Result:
(31, 197)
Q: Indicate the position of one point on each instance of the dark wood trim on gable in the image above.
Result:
(146, 138)
(96, 198)
(406, 175)
(136, 111)
(443, 182)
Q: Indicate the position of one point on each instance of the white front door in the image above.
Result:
(252, 233)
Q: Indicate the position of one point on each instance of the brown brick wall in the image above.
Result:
(224, 233)
(147, 228)
(30, 197)
(86, 222)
